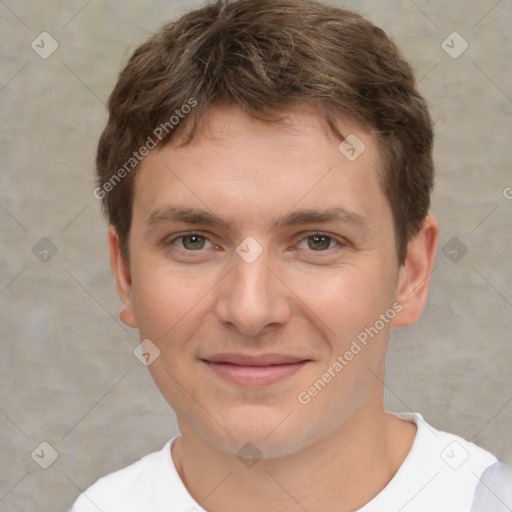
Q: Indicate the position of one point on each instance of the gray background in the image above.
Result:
(67, 372)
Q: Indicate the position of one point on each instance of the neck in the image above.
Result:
(342, 471)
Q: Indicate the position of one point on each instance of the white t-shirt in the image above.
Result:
(440, 474)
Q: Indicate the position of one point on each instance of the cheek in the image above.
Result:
(346, 300)
(347, 309)
(164, 297)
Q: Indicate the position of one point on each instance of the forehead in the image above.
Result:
(297, 120)
(237, 162)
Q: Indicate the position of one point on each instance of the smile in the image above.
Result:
(254, 371)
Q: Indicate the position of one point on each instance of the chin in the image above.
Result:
(271, 432)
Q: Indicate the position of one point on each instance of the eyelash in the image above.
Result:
(340, 243)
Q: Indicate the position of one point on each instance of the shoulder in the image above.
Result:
(441, 473)
(451, 455)
(130, 488)
(451, 450)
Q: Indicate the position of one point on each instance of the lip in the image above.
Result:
(254, 371)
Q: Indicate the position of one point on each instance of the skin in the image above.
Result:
(199, 299)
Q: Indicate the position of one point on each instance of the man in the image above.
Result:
(266, 172)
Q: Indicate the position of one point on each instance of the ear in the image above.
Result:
(414, 274)
(123, 278)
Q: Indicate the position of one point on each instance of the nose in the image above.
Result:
(252, 298)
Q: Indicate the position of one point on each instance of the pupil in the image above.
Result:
(193, 242)
(320, 242)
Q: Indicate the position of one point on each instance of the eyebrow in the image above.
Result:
(174, 214)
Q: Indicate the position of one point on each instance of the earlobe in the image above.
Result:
(414, 275)
(122, 275)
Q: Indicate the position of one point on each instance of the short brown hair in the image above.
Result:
(267, 56)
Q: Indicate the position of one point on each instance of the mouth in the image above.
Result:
(254, 371)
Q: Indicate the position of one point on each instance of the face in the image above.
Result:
(259, 255)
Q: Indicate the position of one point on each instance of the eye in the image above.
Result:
(190, 242)
(319, 242)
